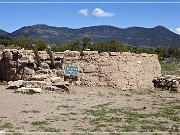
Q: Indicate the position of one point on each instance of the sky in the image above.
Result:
(76, 15)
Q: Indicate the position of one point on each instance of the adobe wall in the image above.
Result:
(119, 70)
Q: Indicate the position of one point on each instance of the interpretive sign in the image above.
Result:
(71, 70)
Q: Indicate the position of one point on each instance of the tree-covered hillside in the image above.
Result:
(136, 36)
(86, 43)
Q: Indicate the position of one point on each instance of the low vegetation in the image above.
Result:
(163, 53)
(103, 117)
(39, 123)
(170, 68)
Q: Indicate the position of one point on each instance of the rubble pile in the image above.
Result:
(168, 82)
(45, 69)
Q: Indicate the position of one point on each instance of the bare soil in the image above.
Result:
(90, 110)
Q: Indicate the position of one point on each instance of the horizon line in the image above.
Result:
(78, 2)
(84, 27)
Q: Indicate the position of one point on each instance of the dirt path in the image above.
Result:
(90, 109)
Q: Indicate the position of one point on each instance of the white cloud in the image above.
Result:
(84, 12)
(101, 13)
(177, 31)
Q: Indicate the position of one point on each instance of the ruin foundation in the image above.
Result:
(118, 70)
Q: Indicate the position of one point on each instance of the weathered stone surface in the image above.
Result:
(168, 82)
(119, 70)
(29, 90)
(45, 66)
(71, 54)
(56, 79)
(114, 53)
(106, 54)
(60, 73)
(58, 87)
(89, 68)
(39, 77)
(37, 84)
(15, 84)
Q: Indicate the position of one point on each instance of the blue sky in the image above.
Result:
(14, 16)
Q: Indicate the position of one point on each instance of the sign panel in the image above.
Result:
(71, 70)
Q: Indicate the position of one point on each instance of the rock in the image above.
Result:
(44, 71)
(62, 86)
(144, 54)
(168, 82)
(78, 83)
(89, 68)
(175, 85)
(37, 84)
(39, 77)
(7, 55)
(68, 53)
(31, 59)
(56, 79)
(57, 87)
(114, 53)
(104, 54)
(43, 55)
(45, 66)
(60, 73)
(15, 84)
(58, 65)
(29, 90)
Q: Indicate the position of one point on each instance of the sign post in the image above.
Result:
(71, 73)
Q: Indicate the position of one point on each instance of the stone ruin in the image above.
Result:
(42, 69)
(168, 82)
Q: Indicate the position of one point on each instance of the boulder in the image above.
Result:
(15, 84)
(45, 65)
(58, 87)
(56, 79)
(29, 90)
(37, 84)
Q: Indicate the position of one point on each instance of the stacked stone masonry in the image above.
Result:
(122, 70)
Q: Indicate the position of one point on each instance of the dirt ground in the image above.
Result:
(90, 110)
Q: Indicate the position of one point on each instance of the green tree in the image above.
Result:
(85, 41)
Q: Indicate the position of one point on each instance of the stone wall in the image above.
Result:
(119, 70)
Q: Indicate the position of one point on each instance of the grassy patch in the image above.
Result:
(13, 134)
(62, 117)
(39, 123)
(49, 129)
(170, 68)
(65, 107)
(103, 105)
(72, 113)
(6, 125)
(127, 95)
(133, 119)
(31, 111)
(171, 112)
(174, 128)
(128, 128)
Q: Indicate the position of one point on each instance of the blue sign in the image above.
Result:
(71, 70)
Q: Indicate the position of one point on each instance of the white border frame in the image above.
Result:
(79, 2)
